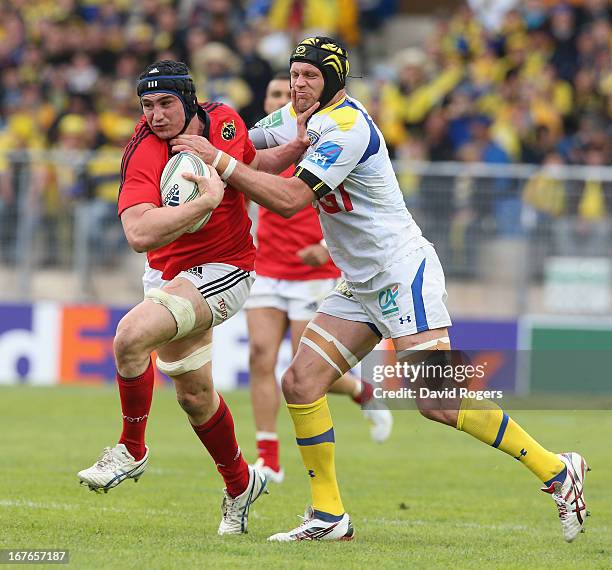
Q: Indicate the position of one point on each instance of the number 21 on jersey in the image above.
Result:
(330, 205)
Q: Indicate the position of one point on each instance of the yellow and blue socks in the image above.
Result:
(486, 421)
(315, 437)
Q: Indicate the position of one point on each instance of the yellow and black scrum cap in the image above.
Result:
(329, 57)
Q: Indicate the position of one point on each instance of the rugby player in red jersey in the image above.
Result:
(193, 282)
(294, 274)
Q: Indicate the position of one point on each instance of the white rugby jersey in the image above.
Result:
(365, 222)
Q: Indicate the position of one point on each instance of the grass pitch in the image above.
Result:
(429, 497)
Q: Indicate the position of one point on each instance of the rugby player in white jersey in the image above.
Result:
(394, 287)
(294, 274)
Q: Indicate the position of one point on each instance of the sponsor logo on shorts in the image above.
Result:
(343, 289)
(222, 307)
(405, 319)
(387, 301)
(198, 271)
(325, 155)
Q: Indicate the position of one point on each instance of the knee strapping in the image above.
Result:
(329, 348)
(193, 361)
(180, 308)
(442, 343)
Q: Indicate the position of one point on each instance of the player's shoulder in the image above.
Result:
(141, 130)
(224, 120)
(218, 111)
(275, 120)
(346, 115)
(143, 138)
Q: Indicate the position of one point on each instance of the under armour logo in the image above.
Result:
(404, 320)
(311, 473)
(521, 454)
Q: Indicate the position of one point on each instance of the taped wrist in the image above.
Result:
(224, 164)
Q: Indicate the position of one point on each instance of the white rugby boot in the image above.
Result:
(316, 529)
(271, 475)
(380, 419)
(115, 464)
(236, 510)
(569, 495)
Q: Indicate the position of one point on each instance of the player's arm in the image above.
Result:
(284, 196)
(278, 159)
(148, 226)
(275, 159)
(336, 155)
(314, 255)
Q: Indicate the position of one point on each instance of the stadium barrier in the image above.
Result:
(48, 343)
(513, 239)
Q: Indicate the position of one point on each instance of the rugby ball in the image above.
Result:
(175, 190)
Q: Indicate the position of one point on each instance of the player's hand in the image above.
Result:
(302, 121)
(314, 255)
(211, 189)
(200, 146)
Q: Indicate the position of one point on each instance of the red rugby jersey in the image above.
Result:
(279, 239)
(226, 238)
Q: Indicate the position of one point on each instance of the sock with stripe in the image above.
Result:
(267, 449)
(315, 437)
(136, 395)
(486, 421)
(217, 435)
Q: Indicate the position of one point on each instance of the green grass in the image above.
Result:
(429, 498)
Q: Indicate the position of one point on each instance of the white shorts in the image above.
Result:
(406, 298)
(224, 287)
(299, 299)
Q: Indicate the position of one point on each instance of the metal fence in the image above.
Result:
(513, 239)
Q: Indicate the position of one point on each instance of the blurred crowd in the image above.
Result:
(535, 80)
(496, 82)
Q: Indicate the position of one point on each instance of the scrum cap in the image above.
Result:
(172, 77)
(330, 58)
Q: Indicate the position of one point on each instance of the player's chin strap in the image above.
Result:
(193, 361)
(180, 308)
(329, 348)
(205, 120)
